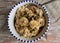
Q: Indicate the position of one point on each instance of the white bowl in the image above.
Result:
(11, 22)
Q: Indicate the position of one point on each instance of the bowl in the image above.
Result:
(12, 27)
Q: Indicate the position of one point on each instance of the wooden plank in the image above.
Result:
(53, 8)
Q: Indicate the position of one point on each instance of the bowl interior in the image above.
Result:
(15, 33)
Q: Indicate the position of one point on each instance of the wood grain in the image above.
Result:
(53, 35)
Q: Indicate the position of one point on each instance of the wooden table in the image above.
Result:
(53, 36)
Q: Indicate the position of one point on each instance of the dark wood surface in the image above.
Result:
(53, 36)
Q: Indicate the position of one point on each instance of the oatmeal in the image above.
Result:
(28, 20)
